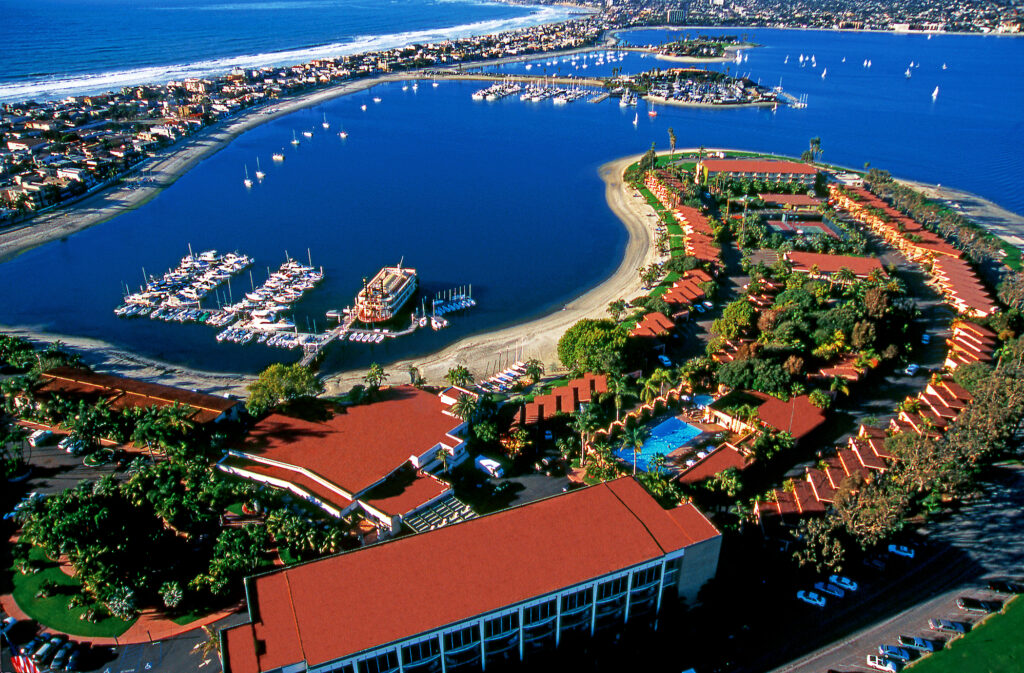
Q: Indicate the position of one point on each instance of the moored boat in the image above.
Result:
(384, 296)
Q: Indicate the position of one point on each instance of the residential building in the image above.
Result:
(771, 170)
(819, 265)
(499, 588)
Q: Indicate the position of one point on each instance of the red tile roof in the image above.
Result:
(757, 166)
(653, 324)
(829, 264)
(797, 416)
(337, 606)
(790, 199)
(719, 460)
(405, 491)
(358, 445)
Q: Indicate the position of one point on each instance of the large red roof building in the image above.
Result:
(371, 457)
(489, 590)
(756, 169)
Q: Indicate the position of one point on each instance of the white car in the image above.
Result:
(709, 304)
(911, 369)
(71, 445)
(844, 582)
(664, 361)
(811, 598)
(883, 664)
(901, 550)
(39, 437)
(491, 467)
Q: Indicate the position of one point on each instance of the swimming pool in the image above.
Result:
(666, 437)
(702, 400)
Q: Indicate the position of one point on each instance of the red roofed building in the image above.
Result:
(756, 169)
(564, 399)
(653, 325)
(721, 458)
(478, 593)
(797, 416)
(827, 265)
(372, 457)
(122, 393)
(790, 201)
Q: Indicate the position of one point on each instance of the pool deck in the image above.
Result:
(676, 459)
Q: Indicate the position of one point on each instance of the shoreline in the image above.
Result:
(707, 106)
(819, 28)
(536, 338)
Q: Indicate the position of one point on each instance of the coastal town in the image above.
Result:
(785, 431)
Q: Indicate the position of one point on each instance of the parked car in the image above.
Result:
(1006, 587)
(572, 486)
(664, 361)
(901, 550)
(39, 438)
(948, 626)
(121, 458)
(74, 662)
(911, 370)
(978, 607)
(830, 589)
(60, 660)
(901, 654)
(811, 598)
(876, 562)
(883, 664)
(34, 644)
(709, 304)
(698, 308)
(8, 624)
(72, 445)
(844, 582)
(491, 467)
(920, 644)
(926, 339)
(49, 649)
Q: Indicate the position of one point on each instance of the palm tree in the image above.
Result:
(375, 376)
(210, 647)
(634, 438)
(459, 376)
(844, 275)
(584, 422)
(672, 140)
(619, 388)
(663, 377)
(534, 369)
(649, 389)
(465, 407)
(839, 385)
(442, 456)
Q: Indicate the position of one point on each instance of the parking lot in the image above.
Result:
(985, 540)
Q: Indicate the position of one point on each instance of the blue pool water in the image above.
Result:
(703, 400)
(666, 437)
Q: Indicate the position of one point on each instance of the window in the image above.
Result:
(646, 576)
(382, 663)
(576, 601)
(538, 613)
(416, 652)
(611, 588)
(500, 626)
(457, 640)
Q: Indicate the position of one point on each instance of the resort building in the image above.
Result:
(564, 399)
(653, 326)
(500, 588)
(73, 383)
(797, 416)
(770, 170)
(818, 265)
(969, 343)
(373, 459)
(796, 202)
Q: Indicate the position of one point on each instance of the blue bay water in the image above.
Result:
(506, 195)
(55, 48)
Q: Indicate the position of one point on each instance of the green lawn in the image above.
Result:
(993, 647)
(54, 612)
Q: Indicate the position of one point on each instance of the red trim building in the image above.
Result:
(771, 170)
(494, 589)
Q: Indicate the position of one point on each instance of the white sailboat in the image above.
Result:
(415, 86)
(844, 60)
(343, 134)
(943, 66)
(247, 181)
(907, 73)
(636, 118)
(376, 99)
(308, 134)
(278, 156)
(295, 140)
(787, 60)
(259, 173)
(434, 84)
(823, 71)
(325, 124)
(935, 94)
(363, 107)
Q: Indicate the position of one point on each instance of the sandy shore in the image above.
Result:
(1005, 224)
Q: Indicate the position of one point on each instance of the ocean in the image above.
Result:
(57, 48)
(506, 195)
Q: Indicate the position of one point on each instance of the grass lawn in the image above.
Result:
(235, 508)
(54, 612)
(993, 647)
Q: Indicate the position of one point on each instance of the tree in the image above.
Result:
(616, 309)
(820, 399)
(672, 140)
(414, 375)
(649, 160)
(592, 346)
(584, 422)
(281, 383)
(442, 456)
(465, 407)
(375, 377)
(534, 370)
(727, 482)
(171, 594)
(486, 431)
(633, 438)
(620, 387)
(459, 376)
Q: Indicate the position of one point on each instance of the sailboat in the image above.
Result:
(295, 141)
(434, 84)
(325, 124)
(844, 60)
(308, 134)
(787, 60)
(247, 181)
(278, 156)
(935, 94)
(636, 117)
(259, 173)
(415, 86)
(343, 134)
(376, 99)
(823, 71)
(405, 87)
(907, 73)
(943, 66)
